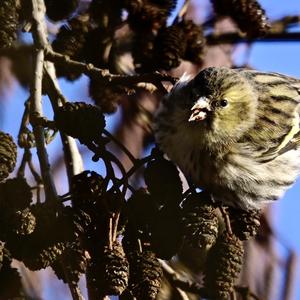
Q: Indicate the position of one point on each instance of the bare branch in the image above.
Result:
(88, 69)
(73, 159)
(38, 130)
(235, 38)
(40, 41)
(75, 291)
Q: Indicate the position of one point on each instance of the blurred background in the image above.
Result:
(279, 56)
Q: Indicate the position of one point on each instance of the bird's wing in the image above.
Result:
(277, 127)
(290, 141)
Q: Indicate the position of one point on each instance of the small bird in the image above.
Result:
(235, 133)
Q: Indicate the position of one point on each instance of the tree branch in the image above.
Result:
(72, 156)
(40, 42)
(127, 80)
(235, 38)
(38, 130)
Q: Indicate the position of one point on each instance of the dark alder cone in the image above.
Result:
(149, 14)
(148, 17)
(73, 223)
(223, 265)
(58, 10)
(96, 47)
(23, 222)
(80, 120)
(167, 232)
(109, 272)
(8, 154)
(248, 14)
(145, 274)
(15, 194)
(10, 282)
(75, 263)
(244, 224)
(170, 188)
(196, 43)
(40, 248)
(106, 96)
(70, 42)
(8, 23)
(35, 257)
(169, 47)
(142, 210)
(142, 52)
(200, 223)
(86, 188)
(44, 258)
(107, 14)
(134, 6)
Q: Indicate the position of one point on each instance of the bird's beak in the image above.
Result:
(200, 110)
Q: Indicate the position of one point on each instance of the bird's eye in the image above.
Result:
(223, 103)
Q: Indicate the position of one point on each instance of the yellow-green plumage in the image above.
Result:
(243, 150)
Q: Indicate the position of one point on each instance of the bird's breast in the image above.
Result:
(235, 178)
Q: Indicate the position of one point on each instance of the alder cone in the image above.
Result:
(70, 41)
(8, 153)
(58, 10)
(109, 272)
(15, 194)
(223, 265)
(248, 14)
(244, 224)
(200, 223)
(196, 43)
(145, 274)
(23, 222)
(80, 120)
(75, 263)
(169, 48)
(170, 189)
(8, 23)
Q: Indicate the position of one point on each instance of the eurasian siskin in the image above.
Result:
(235, 133)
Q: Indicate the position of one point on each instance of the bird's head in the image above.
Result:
(221, 104)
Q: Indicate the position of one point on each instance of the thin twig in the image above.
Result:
(120, 145)
(74, 289)
(184, 8)
(32, 169)
(110, 233)
(24, 122)
(226, 219)
(115, 225)
(127, 80)
(139, 163)
(235, 38)
(21, 170)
